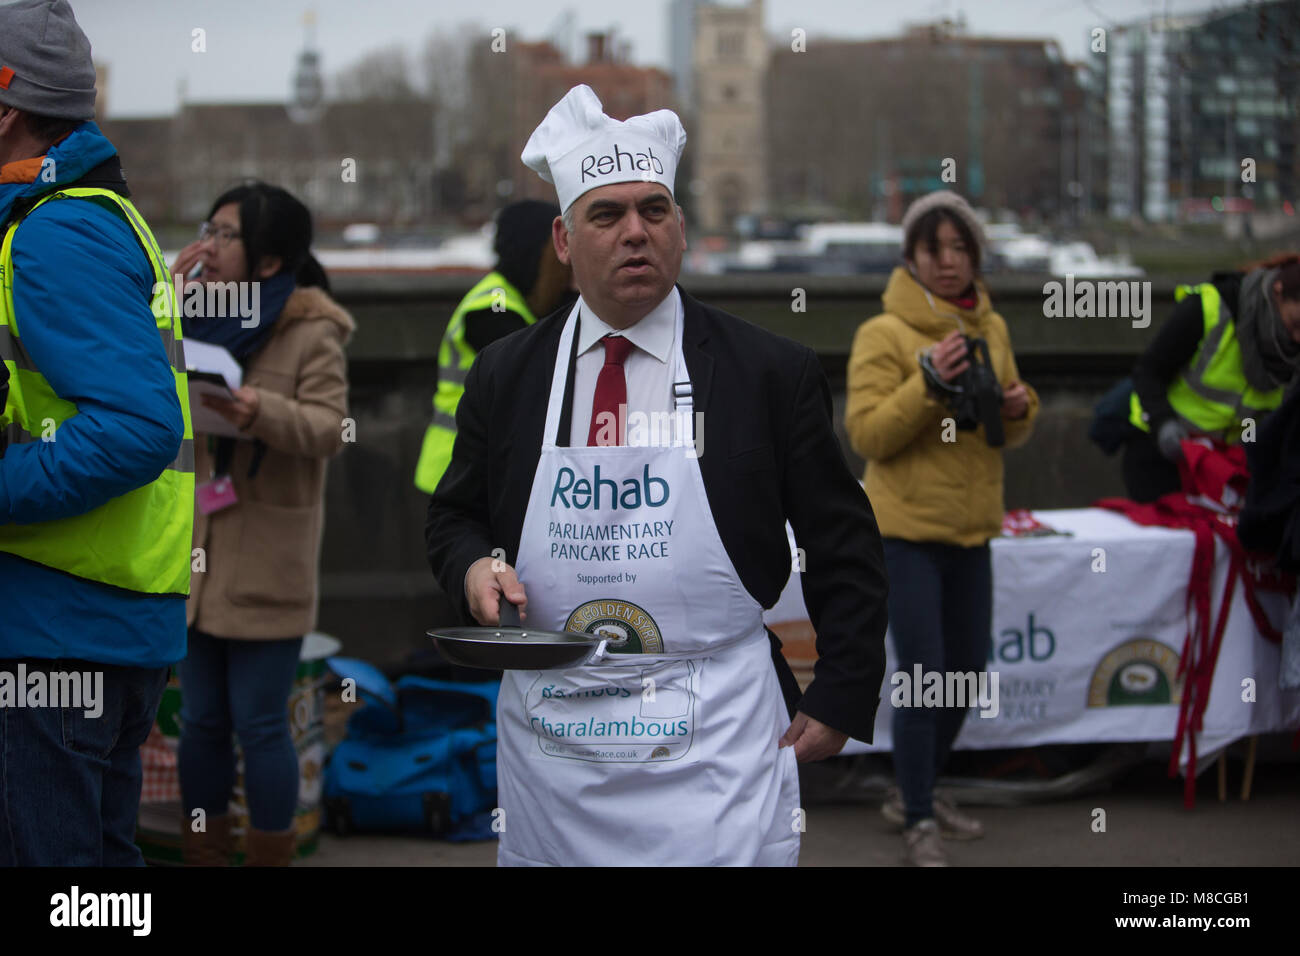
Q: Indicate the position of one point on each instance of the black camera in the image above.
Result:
(974, 397)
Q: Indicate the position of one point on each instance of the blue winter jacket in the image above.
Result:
(82, 288)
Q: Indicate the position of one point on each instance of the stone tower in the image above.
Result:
(730, 161)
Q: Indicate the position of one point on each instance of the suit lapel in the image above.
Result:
(518, 450)
(699, 363)
(536, 382)
(522, 410)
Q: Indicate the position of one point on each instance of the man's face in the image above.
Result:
(625, 249)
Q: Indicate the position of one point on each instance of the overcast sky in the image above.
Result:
(252, 45)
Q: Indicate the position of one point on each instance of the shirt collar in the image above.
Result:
(653, 334)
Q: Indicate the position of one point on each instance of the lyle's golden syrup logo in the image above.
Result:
(627, 628)
(1140, 671)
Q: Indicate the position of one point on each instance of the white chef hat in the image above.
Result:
(577, 147)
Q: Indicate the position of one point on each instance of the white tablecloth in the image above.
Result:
(1085, 655)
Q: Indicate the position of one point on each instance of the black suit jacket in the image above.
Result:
(769, 453)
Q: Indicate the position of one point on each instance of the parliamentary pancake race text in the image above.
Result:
(612, 541)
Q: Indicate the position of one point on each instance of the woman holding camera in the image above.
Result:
(924, 417)
(258, 517)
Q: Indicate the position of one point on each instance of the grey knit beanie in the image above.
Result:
(947, 200)
(45, 62)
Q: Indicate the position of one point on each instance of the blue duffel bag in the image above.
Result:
(420, 755)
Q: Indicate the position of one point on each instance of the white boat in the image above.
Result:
(829, 248)
(1080, 259)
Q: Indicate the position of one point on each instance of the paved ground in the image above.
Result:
(1146, 825)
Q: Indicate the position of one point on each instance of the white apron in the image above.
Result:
(662, 752)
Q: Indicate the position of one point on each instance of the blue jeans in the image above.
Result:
(941, 617)
(241, 687)
(69, 782)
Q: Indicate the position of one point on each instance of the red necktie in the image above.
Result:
(611, 392)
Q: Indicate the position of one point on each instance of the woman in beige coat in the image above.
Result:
(258, 516)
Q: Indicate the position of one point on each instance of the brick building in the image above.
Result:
(864, 127)
(512, 92)
(177, 165)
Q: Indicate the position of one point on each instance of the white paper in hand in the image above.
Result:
(211, 370)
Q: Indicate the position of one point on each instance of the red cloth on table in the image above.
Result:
(1216, 476)
(1214, 487)
(1214, 472)
(1019, 522)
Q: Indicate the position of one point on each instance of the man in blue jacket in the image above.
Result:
(97, 473)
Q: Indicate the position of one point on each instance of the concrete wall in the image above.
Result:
(378, 594)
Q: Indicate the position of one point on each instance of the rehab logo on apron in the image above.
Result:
(627, 628)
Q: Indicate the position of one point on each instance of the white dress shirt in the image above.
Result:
(648, 368)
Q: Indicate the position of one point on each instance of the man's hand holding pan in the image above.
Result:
(485, 582)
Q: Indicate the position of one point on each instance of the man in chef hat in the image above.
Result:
(634, 757)
(600, 168)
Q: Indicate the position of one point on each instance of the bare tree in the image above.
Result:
(382, 74)
(444, 68)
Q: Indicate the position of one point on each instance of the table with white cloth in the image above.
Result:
(1088, 630)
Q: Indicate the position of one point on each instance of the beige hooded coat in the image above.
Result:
(260, 556)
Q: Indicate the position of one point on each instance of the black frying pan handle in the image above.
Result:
(509, 613)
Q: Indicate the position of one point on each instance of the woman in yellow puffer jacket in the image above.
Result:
(936, 490)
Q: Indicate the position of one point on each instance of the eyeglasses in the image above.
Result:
(223, 235)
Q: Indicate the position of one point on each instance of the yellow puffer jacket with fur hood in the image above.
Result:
(922, 487)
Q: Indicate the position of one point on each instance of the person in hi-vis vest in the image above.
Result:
(528, 281)
(97, 473)
(1219, 365)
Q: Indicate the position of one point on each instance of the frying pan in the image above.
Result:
(512, 647)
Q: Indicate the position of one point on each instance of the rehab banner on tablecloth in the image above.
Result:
(1087, 635)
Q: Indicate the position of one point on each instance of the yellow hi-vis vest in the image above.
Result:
(141, 540)
(1211, 395)
(455, 356)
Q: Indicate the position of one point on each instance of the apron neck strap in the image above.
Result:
(565, 360)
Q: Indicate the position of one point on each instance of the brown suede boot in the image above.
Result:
(263, 848)
(211, 847)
